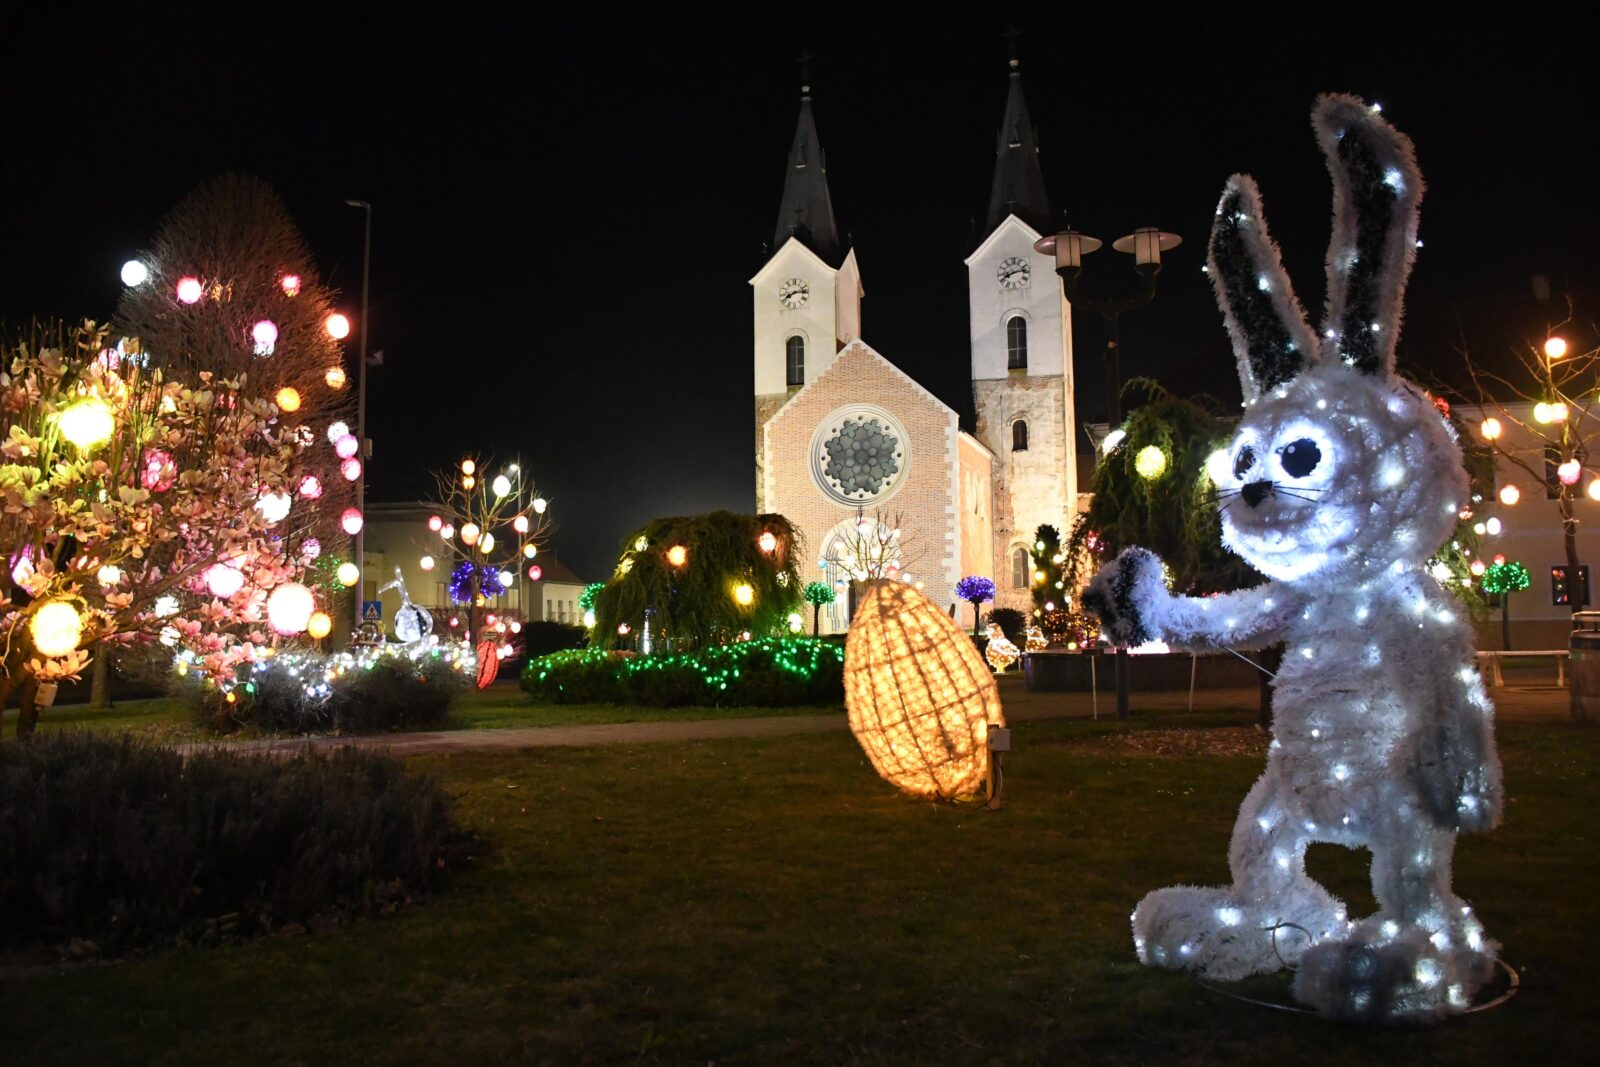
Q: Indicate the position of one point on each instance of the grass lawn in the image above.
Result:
(158, 717)
(772, 901)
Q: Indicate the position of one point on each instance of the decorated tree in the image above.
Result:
(871, 550)
(1500, 580)
(227, 287)
(818, 594)
(586, 602)
(133, 511)
(699, 580)
(485, 529)
(1049, 577)
(975, 589)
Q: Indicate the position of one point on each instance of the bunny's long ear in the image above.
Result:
(1376, 190)
(1265, 321)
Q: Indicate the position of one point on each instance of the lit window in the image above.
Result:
(795, 361)
(1019, 435)
(1017, 343)
(1019, 568)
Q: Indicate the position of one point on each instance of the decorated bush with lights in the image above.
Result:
(1340, 482)
(767, 672)
(698, 580)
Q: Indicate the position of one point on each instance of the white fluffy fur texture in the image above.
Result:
(1383, 735)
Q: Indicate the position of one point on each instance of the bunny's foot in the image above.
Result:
(1384, 972)
(1213, 933)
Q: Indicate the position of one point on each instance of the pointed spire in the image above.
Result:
(1018, 179)
(806, 210)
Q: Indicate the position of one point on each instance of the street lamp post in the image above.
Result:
(361, 408)
(1145, 245)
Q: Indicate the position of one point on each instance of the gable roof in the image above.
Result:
(854, 350)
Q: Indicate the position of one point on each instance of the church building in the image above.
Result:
(875, 470)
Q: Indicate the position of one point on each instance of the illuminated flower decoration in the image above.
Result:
(473, 578)
(975, 589)
(156, 472)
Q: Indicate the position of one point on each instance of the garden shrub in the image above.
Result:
(130, 846)
(770, 672)
(1012, 623)
(544, 637)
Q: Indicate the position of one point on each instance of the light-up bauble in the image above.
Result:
(535, 573)
(469, 533)
(447, 531)
(87, 423)
(920, 700)
(1569, 472)
(348, 574)
(351, 521)
(506, 578)
(520, 524)
(274, 506)
(426, 563)
(335, 378)
(1494, 525)
(166, 604)
(109, 575)
(1555, 348)
(1150, 462)
(501, 485)
(468, 467)
(320, 625)
(744, 595)
(310, 548)
(588, 618)
(310, 487)
(468, 481)
(539, 504)
(56, 628)
(338, 326)
(1509, 495)
(1491, 429)
(1477, 567)
(768, 542)
(1593, 490)
(189, 290)
(435, 523)
(265, 336)
(337, 432)
(290, 283)
(134, 273)
(351, 469)
(346, 446)
(288, 399)
(289, 608)
(677, 555)
(796, 622)
(223, 580)
(530, 550)
(486, 543)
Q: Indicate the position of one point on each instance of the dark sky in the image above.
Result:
(567, 210)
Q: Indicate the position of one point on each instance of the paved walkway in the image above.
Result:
(1513, 705)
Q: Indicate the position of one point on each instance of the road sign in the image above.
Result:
(372, 611)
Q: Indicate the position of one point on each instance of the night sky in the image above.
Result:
(566, 212)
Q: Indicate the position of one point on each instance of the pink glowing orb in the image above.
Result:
(1569, 472)
(265, 335)
(291, 284)
(351, 469)
(310, 487)
(435, 523)
(289, 608)
(347, 446)
(189, 290)
(223, 580)
(351, 520)
(535, 572)
(310, 548)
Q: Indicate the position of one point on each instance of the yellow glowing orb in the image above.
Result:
(87, 423)
(319, 625)
(468, 467)
(469, 533)
(1509, 495)
(744, 595)
(677, 555)
(1555, 348)
(56, 628)
(768, 542)
(335, 377)
(288, 399)
(920, 699)
(1150, 462)
(348, 574)
(1491, 429)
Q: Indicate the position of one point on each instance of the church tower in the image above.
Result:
(807, 298)
(1021, 331)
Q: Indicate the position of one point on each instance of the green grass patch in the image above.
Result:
(160, 717)
(773, 902)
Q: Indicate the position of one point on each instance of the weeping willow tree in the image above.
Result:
(1151, 490)
(700, 580)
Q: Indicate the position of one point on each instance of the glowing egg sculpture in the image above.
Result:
(351, 521)
(56, 628)
(289, 608)
(920, 700)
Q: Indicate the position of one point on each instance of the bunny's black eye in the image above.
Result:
(1245, 460)
(1300, 458)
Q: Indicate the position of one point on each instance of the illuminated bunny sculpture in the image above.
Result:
(1340, 483)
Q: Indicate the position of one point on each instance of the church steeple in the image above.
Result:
(1018, 180)
(806, 211)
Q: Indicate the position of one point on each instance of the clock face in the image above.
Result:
(1013, 273)
(794, 293)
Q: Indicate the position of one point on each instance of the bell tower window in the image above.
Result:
(1019, 568)
(1017, 343)
(1019, 435)
(794, 351)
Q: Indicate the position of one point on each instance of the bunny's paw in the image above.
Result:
(1125, 595)
(1407, 977)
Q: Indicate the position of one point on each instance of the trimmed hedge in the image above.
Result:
(542, 637)
(122, 846)
(769, 672)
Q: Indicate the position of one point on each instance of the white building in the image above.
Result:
(841, 430)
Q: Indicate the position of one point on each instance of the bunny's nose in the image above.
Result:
(1255, 492)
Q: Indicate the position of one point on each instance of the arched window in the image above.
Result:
(1019, 435)
(794, 350)
(1017, 343)
(1019, 568)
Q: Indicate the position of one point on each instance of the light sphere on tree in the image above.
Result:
(337, 432)
(223, 580)
(288, 399)
(265, 335)
(87, 423)
(351, 521)
(351, 469)
(134, 273)
(348, 574)
(346, 446)
(426, 563)
(320, 625)
(290, 284)
(335, 377)
(189, 290)
(56, 628)
(289, 608)
(338, 326)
